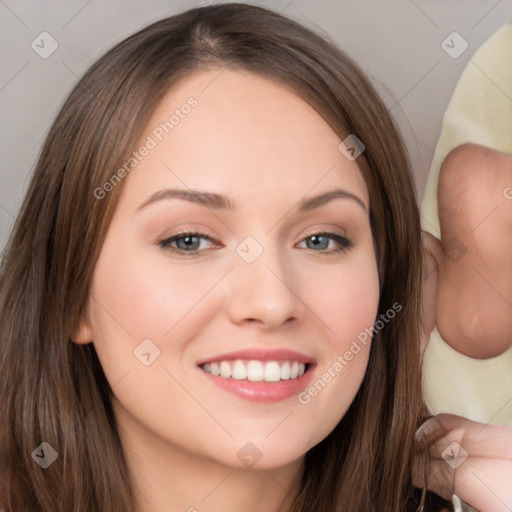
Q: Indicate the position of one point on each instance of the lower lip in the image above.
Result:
(262, 391)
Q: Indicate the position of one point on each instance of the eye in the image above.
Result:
(185, 243)
(189, 243)
(319, 242)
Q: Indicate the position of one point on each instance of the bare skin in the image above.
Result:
(468, 294)
(142, 303)
(474, 295)
(479, 472)
(266, 150)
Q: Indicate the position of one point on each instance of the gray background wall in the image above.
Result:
(397, 42)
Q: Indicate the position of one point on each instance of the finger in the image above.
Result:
(483, 483)
(429, 469)
(486, 487)
(467, 458)
(483, 440)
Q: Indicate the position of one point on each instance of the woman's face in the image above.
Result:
(278, 278)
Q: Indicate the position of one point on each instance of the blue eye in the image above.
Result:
(321, 241)
(185, 242)
(189, 243)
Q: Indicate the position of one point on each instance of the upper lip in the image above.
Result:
(260, 354)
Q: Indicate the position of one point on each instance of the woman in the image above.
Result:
(250, 374)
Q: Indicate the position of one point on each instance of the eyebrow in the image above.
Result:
(222, 202)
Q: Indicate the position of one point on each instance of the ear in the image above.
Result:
(84, 334)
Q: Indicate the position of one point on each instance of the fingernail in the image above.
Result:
(428, 428)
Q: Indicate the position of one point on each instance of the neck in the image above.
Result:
(168, 478)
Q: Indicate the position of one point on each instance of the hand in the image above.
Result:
(470, 459)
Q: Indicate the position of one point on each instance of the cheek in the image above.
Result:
(348, 308)
(148, 297)
(346, 298)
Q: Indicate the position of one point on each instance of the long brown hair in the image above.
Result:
(55, 391)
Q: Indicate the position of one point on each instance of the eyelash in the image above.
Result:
(345, 243)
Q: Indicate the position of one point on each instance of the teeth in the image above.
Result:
(285, 371)
(225, 370)
(272, 372)
(239, 371)
(214, 369)
(256, 371)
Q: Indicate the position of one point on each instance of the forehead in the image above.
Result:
(238, 133)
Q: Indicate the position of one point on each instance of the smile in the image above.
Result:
(256, 371)
(259, 375)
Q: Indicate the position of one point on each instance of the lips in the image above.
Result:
(259, 375)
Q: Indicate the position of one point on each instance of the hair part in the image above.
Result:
(57, 390)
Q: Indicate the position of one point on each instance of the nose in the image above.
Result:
(265, 293)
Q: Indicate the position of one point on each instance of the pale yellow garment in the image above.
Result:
(479, 112)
